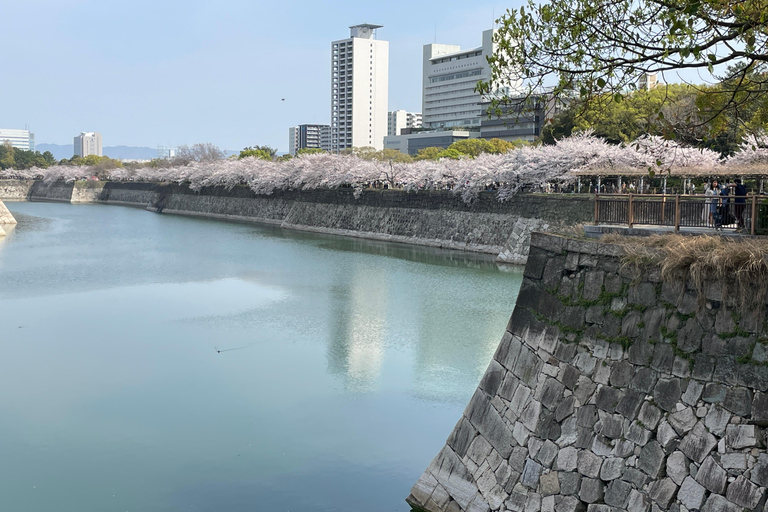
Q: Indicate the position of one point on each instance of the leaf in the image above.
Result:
(600, 82)
(651, 173)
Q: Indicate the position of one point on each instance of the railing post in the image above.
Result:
(677, 213)
(664, 209)
(597, 208)
(631, 211)
(754, 215)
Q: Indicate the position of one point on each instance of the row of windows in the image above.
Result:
(453, 98)
(454, 76)
(477, 53)
(437, 110)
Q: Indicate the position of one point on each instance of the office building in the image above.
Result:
(88, 143)
(412, 143)
(521, 119)
(400, 119)
(166, 152)
(450, 75)
(359, 89)
(309, 136)
(19, 139)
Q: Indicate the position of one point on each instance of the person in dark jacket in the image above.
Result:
(739, 202)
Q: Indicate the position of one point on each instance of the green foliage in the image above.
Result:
(100, 162)
(385, 155)
(599, 51)
(256, 153)
(468, 148)
(15, 158)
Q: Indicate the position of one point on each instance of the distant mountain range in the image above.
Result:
(60, 151)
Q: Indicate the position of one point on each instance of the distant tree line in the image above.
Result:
(15, 158)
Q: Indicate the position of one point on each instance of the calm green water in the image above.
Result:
(161, 363)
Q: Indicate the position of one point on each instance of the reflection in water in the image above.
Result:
(356, 345)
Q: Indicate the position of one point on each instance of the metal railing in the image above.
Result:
(681, 211)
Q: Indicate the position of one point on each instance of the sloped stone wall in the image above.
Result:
(610, 390)
(5, 216)
(432, 218)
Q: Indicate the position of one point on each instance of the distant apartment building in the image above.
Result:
(88, 143)
(19, 139)
(359, 89)
(450, 75)
(309, 136)
(397, 120)
(166, 152)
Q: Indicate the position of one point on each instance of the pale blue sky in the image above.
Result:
(145, 72)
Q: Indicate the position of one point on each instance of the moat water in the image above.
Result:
(161, 363)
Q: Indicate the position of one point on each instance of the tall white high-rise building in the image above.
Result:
(450, 75)
(359, 89)
(88, 143)
(399, 119)
(19, 139)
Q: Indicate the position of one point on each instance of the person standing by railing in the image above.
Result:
(739, 203)
(709, 209)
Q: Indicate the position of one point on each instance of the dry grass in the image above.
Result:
(739, 266)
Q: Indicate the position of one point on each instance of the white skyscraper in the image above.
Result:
(359, 89)
(450, 75)
(399, 119)
(20, 139)
(88, 143)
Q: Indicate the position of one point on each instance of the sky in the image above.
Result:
(149, 73)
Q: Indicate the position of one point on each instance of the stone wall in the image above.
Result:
(610, 390)
(439, 218)
(5, 216)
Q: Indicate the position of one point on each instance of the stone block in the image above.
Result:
(640, 353)
(532, 503)
(644, 379)
(738, 400)
(586, 416)
(717, 503)
(585, 388)
(665, 434)
(588, 464)
(667, 393)
(703, 367)
(493, 377)
(608, 398)
(567, 459)
(662, 491)
(569, 504)
(638, 434)
(692, 392)
(712, 476)
(663, 357)
(592, 490)
(744, 493)
(736, 461)
(508, 386)
(717, 419)
(601, 446)
(461, 437)
(490, 424)
(760, 408)
(565, 408)
(593, 284)
(531, 474)
(623, 448)
(527, 367)
(738, 437)
(677, 467)
(651, 459)
(759, 473)
(551, 393)
(617, 494)
(547, 453)
(635, 477)
(518, 457)
(637, 502)
(691, 494)
(549, 484)
(611, 469)
(569, 376)
(612, 426)
(569, 433)
(683, 421)
(649, 415)
(698, 443)
(569, 483)
(630, 404)
(530, 416)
